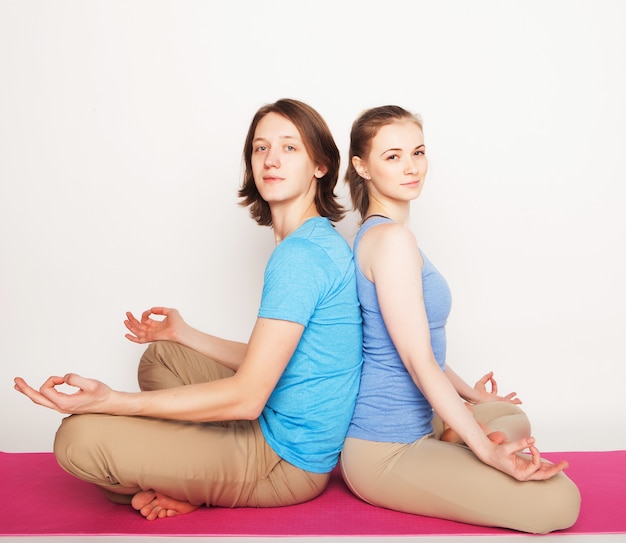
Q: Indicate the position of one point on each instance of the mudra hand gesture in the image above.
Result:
(91, 396)
(148, 329)
(492, 395)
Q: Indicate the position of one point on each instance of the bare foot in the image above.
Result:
(497, 437)
(450, 436)
(154, 505)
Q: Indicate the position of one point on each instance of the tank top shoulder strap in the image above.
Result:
(369, 222)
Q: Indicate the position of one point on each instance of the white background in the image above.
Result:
(121, 130)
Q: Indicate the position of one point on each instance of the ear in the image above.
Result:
(358, 165)
(320, 172)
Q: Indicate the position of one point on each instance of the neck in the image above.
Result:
(284, 222)
(397, 212)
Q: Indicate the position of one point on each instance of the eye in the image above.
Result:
(290, 148)
(260, 148)
(392, 157)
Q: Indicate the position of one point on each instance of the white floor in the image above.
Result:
(552, 538)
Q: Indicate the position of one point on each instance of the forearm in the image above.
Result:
(205, 402)
(463, 389)
(226, 352)
(444, 399)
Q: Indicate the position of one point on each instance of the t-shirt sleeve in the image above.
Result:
(294, 281)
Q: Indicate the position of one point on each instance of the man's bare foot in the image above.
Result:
(154, 505)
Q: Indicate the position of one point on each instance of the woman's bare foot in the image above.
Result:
(154, 505)
(497, 437)
(451, 436)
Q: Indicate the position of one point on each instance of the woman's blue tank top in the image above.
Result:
(389, 406)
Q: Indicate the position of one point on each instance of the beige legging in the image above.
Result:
(438, 479)
(227, 464)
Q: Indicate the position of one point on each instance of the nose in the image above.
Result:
(271, 159)
(412, 165)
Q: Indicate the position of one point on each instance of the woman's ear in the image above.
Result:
(358, 165)
(320, 171)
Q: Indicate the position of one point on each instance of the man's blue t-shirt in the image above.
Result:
(310, 280)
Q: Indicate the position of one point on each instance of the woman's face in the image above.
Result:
(396, 165)
(282, 168)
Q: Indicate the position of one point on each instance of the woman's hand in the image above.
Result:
(507, 458)
(91, 396)
(479, 393)
(485, 395)
(148, 329)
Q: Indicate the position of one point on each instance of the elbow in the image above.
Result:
(249, 399)
(251, 412)
(250, 408)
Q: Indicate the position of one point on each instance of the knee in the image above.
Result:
(570, 505)
(64, 439)
(560, 512)
(151, 355)
(74, 446)
(160, 351)
(505, 417)
(150, 365)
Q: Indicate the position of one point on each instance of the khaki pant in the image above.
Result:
(438, 479)
(227, 464)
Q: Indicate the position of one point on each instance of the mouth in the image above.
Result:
(271, 179)
(412, 183)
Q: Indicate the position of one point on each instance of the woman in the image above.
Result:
(393, 456)
(224, 423)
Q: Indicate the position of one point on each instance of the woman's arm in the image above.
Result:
(172, 327)
(389, 255)
(242, 396)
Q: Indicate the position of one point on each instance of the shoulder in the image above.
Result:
(318, 240)
(386, 248)
(298, 259)
(298, 249)
(389, 238)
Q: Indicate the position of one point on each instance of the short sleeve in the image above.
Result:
(295, 281)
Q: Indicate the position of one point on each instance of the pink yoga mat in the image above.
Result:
(38, 498)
